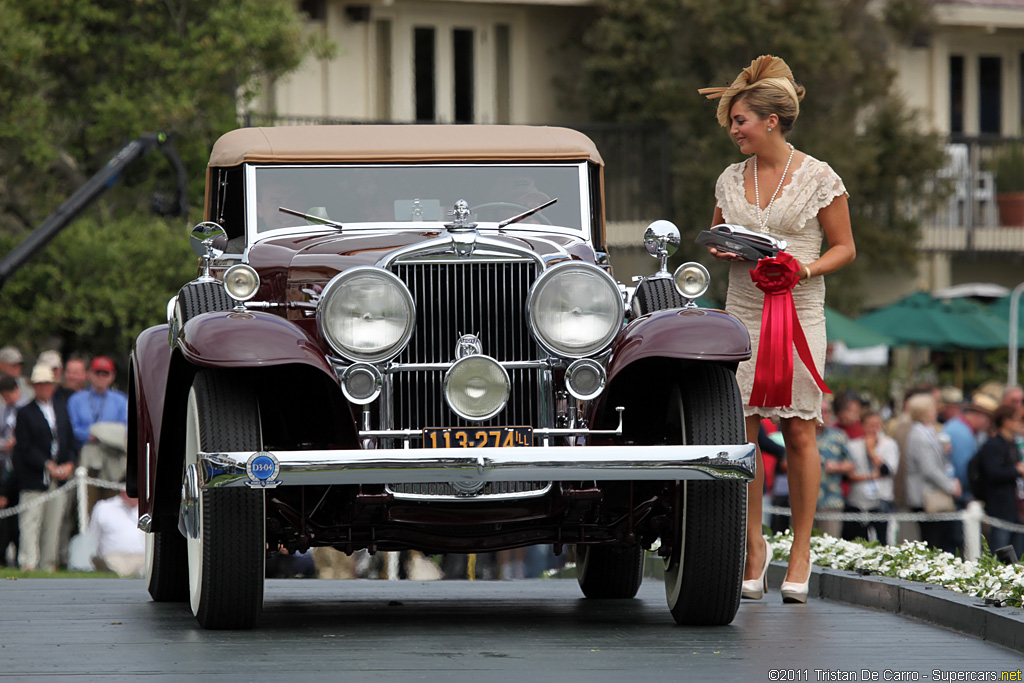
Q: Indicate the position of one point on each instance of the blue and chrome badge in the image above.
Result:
(262, 469)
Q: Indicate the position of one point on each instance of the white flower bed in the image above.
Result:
(915, 561)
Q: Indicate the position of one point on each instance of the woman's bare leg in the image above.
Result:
(804, 464)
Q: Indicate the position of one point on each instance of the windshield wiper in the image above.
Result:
(525, 214)
(310, 217)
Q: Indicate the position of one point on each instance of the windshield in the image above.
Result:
(408, 194)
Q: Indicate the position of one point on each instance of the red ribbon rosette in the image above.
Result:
(780, 329)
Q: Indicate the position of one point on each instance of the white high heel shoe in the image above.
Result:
(754, 589)
(794, 592)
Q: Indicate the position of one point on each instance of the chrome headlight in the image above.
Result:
(692, 280)
(241, 281)
(575, 309)
(366, 314)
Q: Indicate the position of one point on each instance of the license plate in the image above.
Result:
(483, 437)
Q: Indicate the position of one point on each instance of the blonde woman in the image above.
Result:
(785, 193)
(926, 469)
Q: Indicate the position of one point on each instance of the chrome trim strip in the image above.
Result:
(508, 365)
(473, 466)
(468, 498)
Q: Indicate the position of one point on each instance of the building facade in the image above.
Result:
(488, 61)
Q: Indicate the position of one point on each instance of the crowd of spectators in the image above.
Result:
(50, 417)
(936, 454)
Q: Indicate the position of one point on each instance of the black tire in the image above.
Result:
(704, 572)
(226, 561)
(203, 297)
(166, 566)
(656, 295)
(610, 572)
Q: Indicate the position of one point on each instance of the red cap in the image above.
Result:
(102, 363)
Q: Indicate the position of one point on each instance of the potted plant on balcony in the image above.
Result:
(1009, 177)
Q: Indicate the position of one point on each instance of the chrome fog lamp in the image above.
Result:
(476, 387)
(366, 314)
(585, 379)
(241, 281)
(575, 309)
(361, 383)
(692, 280)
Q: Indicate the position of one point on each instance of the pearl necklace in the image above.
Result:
(762, 217)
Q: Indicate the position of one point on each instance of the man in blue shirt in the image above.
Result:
(967, 430)
(97, 403)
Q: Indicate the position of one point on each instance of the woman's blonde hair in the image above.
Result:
(920, 406)
(767, 86)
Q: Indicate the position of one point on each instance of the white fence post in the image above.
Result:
(972, 530)
(81, 474)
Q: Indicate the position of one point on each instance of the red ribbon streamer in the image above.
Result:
(780, 329)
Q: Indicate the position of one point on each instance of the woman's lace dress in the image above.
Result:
(794, 218)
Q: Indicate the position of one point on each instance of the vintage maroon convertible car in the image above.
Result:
(410, 337)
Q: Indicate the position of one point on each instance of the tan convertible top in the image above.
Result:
(402, 143)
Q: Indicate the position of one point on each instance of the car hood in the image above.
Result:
(319, 257)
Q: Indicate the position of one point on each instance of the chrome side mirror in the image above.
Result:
(209, 241)
(661, 239)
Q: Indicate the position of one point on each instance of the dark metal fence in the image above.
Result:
(638, 178)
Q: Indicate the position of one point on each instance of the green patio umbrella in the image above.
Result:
(922, 320)
(854, 335)
(1001, 308)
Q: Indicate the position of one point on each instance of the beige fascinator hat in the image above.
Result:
(766, 70)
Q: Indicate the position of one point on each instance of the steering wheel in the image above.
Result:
(519, 208)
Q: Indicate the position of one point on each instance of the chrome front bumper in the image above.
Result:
(476, 466)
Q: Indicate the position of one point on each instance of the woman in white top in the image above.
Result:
(876, 457)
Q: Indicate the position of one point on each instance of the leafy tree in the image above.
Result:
(647, 58)
(81, 78)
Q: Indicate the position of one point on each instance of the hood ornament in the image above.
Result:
(462, 230)
(468, 345)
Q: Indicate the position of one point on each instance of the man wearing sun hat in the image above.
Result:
(11, 364)
(967, 428)
(44, 457)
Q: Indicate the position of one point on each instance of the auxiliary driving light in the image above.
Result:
(361, 383)
(585, 379)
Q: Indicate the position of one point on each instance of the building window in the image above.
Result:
(423, 66)
(503, 75)
(383, 70)
(956, 94)
(462, 58)
(990, 95)
(315, 10)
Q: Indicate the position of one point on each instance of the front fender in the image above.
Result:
(653, 352)
(236, 339)
(150, 360)
(682, 333)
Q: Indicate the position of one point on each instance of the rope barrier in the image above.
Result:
(958, 516)
(80, 480)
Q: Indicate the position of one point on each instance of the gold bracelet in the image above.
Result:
(804, 278)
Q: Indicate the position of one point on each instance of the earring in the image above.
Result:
(769, 129)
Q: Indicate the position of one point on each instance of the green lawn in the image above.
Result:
(11, 573)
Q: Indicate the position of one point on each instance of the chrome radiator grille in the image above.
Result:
(481, 297)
